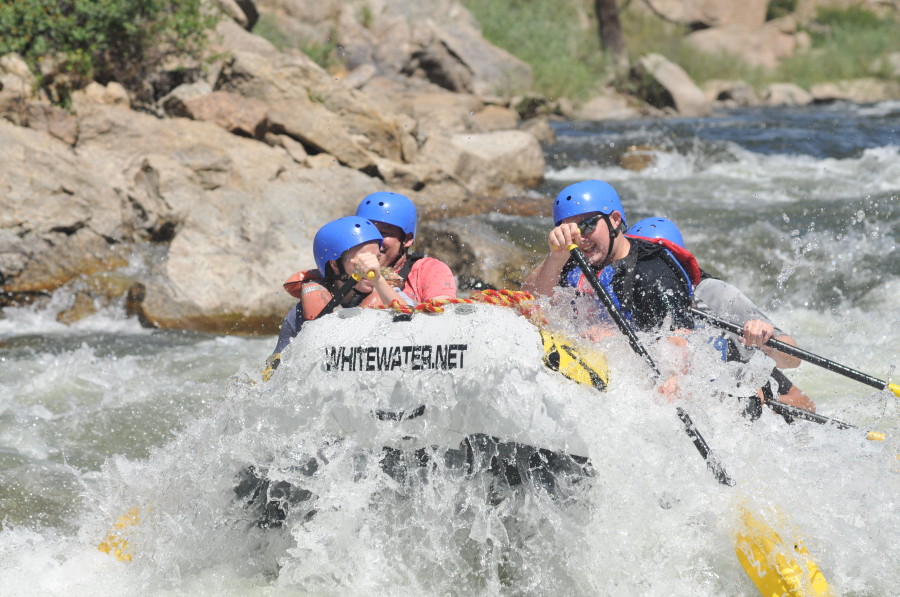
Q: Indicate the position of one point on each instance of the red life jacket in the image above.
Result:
(682, 255)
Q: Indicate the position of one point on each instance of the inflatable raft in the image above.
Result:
(435, 376)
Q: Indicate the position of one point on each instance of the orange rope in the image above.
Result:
(518, 299)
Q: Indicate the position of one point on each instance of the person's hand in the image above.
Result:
(670, 389)
(364, 263)
(562, 237)
(757, 332)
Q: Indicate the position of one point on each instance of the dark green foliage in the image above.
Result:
(780, 8)
(104, 40)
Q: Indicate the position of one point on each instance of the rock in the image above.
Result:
(496, 118)
(606, 107)
(786, 94)
(686, 97)
(889, 63)
(443, 112)
(236, 216)
(758, 46)
(230, 37)
(309, 105)
(245, 116)
(360, 75)
(475, 251)
(173, 102)
(540, 129)
(111, 94)
(637, 157)
(52, 228)
(42, 116)
(487, 161)
(740, 93)
(436, 40)
(861, 91)
(17, 87)
(711, 13)
(292, 147)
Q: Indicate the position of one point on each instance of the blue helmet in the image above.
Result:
(658, 228)
(390, 208)
(335, 237)
(586, 197)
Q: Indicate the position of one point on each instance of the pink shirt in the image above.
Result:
(428, 278)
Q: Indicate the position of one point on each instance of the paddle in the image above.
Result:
(787, 409)
(772, 570)
(702, 447)
(803, 355)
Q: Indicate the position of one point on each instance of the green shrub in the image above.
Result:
(780, 8)
(551, 36)
(105, 40)
(845, 43)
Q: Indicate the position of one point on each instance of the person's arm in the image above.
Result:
(290, 327)
(725, 300)
(757, 332)
(368, 262)
(545, 276)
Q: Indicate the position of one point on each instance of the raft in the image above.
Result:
(434, 376)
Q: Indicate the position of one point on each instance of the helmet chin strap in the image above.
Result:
(400, 255)
(613, 233)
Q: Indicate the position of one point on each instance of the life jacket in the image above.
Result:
(684, 258)
(680, 260)
(314, 293)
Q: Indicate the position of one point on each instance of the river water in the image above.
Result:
(798, 207)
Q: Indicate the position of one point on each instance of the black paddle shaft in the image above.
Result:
(617, 317)
(712, 462)
(796, 352)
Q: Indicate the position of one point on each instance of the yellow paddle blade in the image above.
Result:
(116, 543)
(895, 388)
(777, 568)
(581, 365)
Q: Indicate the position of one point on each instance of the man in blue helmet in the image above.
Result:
(722, 299)
(648, 285)
(421, 278)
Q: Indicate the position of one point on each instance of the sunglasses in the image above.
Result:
(588, 226)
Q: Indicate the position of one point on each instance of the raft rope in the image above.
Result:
(518, 299)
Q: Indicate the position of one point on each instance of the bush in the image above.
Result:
(845, 43)
(558, 38)
(103, 40)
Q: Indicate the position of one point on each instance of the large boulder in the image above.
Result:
(786, 94)
(710, 13)
(306, 103)
(861, 91)
(57, 221)
(221, 220)
(435, 40)
(761, 46)
(488, 162)
(673, 86)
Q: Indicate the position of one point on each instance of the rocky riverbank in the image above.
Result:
(192, 209)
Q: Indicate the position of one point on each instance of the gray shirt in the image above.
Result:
(727, 302)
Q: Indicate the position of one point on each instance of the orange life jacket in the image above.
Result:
(307, 287)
